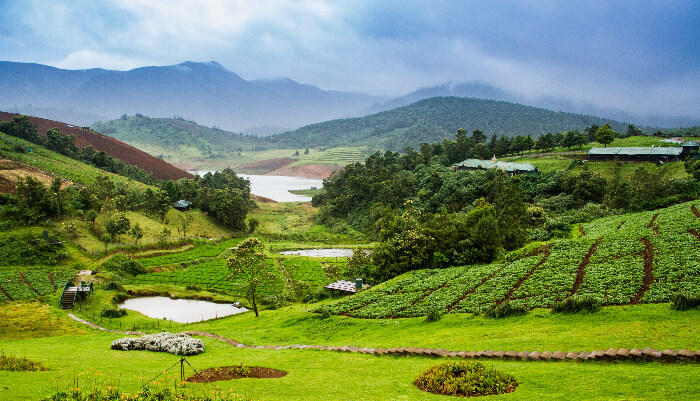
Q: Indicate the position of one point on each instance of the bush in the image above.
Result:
(113, 312)
(119, 298)
(434, 314)
(193, 288)
(684, 301)
(113, 285)
(466, 379)
(16, 364)
(575, 304)
(177, 344)
(123, 264)
(506, 309)
(323, 312)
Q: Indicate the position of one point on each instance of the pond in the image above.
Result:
(180, 310)
(321, 253)
(276, 187)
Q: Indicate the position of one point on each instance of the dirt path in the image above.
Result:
(21, 275)
(6, 294)
(695, 233)
(651, 224)
(53, 283)
(695, 211)
(473, 290)
(648, 271)
(582, 267)
(525, 277)
(98, 327)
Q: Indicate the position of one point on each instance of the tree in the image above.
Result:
(117, 225)
(184, 223)
(136, 233)
(605, 135)
(249, 263)
(91, 215)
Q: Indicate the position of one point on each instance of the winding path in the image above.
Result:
(611, 354)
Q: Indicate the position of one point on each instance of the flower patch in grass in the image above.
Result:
(235, 372)
(465, 379)
(19, 364)
(177, 344)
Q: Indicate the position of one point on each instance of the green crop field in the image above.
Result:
(38, 281)
(633, 258)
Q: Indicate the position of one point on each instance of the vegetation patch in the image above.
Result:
(19, 364)
(177, 344)
(147, 394)
(577, 303)
(685, 301)
(235, 372)
(465, 379)
(507, 309)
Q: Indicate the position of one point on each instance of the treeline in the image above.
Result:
(21, 127)
(425, 215)
(431, 120)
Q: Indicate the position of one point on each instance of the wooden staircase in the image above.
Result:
(68, 297)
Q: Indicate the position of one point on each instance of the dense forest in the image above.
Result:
(171, 133)
(433, 119)
(425, 215)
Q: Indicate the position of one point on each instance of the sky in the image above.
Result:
(640, 57)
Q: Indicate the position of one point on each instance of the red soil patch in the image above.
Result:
(53, 283)
(113, 147)
(10, 171)
(695, 211)
(269, 164)
(21, 275)
(230, 372)
(648, 270)
(307, 171)
(6, 294)
(262, 199)
(651, 224)
(695, 233)
(525, 277)
(582, 267)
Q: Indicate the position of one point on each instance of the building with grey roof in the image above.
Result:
(509, 167)
(649, 154)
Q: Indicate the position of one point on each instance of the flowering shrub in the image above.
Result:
(465, 379)
(177, 344)
(113, 394)
(19, 364)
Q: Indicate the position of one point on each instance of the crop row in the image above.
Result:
(12, 283)
(213, 275)
(306, 270)
(205, 250)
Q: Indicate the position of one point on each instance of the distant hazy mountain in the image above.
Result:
(433, 119)
(484, 91)
(204, 92)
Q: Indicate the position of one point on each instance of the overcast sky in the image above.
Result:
(639, 56)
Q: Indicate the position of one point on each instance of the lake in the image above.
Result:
(180, 310)
(321, 253)
(276, 187)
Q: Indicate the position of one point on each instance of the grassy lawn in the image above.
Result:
(323, 375)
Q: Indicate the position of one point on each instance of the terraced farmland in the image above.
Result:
(29, 283)
(204, 251)
(336, 156)
(634, 258)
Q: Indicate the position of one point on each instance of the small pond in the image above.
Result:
(180, 310)
(321, 253)
(277, 187)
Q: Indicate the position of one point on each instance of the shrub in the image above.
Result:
(323, 313)
(684, 301)
(17, 364)
(241, 370)
(576, 303)
(276, 301)
(113, 285)
(123, 264)
(434, 314)
(113, 312)
(465, 379)
(193, 288)
(177, 344)
(119, 298)
(506, 309)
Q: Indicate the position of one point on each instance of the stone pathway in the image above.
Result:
(98, 327)
(611, 354)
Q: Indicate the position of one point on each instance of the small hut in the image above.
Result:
(182, 205)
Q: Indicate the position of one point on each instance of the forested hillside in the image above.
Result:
(177, 136)
(433, 119)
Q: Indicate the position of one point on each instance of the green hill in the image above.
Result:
(431, 120)
(177, 139)
(627, 259)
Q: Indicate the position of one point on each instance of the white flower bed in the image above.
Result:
(178, 344)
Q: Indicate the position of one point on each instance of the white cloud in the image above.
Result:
(83, 59)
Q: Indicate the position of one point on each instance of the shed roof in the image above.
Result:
(182, 203)
(654, 150)
(489, 164)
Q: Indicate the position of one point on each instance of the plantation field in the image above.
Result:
(207, 249)
(339, 156)
(634, 258)
(27, 283)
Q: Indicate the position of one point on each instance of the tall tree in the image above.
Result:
(605, 135)
(249, 263)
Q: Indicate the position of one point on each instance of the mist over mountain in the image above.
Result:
(205, 92)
